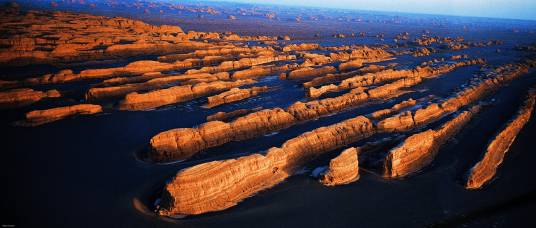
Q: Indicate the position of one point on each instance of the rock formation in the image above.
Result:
(233, 95)
(224, 116)
(227, 182)
(17, 98)
(309, 72)
(154, 99)
(39, 117)
(486, 168)
(343, 169)
(419, 150)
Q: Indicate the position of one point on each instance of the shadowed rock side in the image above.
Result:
(234, 95)
(419, 150)
(486, 168)
(343, 169)
(17, 98)
(227, 182)
(158, 98)
(39, 117)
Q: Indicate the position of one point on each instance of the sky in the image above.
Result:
(515, 9)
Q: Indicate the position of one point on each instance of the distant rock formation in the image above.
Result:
(486, 168)
(40, 117)
(17, 98)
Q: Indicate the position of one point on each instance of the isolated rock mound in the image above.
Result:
(343, 169)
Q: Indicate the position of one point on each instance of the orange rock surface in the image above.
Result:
(419, 150)
(485, 169)
(343, 169)
(17, 98)
(39, 117)
(233, 95)
(154, 99)
(227, 182)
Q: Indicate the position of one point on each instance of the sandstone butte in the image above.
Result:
(182, 143)
(419, 150)
(218, 185)
(158, 98)
(234, 95)
(17, 98)
(120, 91)
(343, 169)
(485, 169)
(39, 117)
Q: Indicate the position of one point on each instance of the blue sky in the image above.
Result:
(518, 9)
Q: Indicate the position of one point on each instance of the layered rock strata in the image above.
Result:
(310, 72)
(390, 74)
(158, 98)
(485, 169)
(343, 169)
(119, 91)
(234, 95)
(227, 182)
(419, 150)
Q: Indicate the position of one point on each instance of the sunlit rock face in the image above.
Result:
(485, 169)
(343, 169)
(39, 117)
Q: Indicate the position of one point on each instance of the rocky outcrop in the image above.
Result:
(181, 143)
(39, 117)
(154, 99)
(309, 72)
(404, 77)
(301, 47)
(397, 107)
(234, 95)
(485, 169)
(224, 116)
(331, 78)
(218, 185)
(419, 150)
(351, 65)
(241, 64)
(17, 98)
(343, 169)
(261, 71)
(119, 91)
(57, 37)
